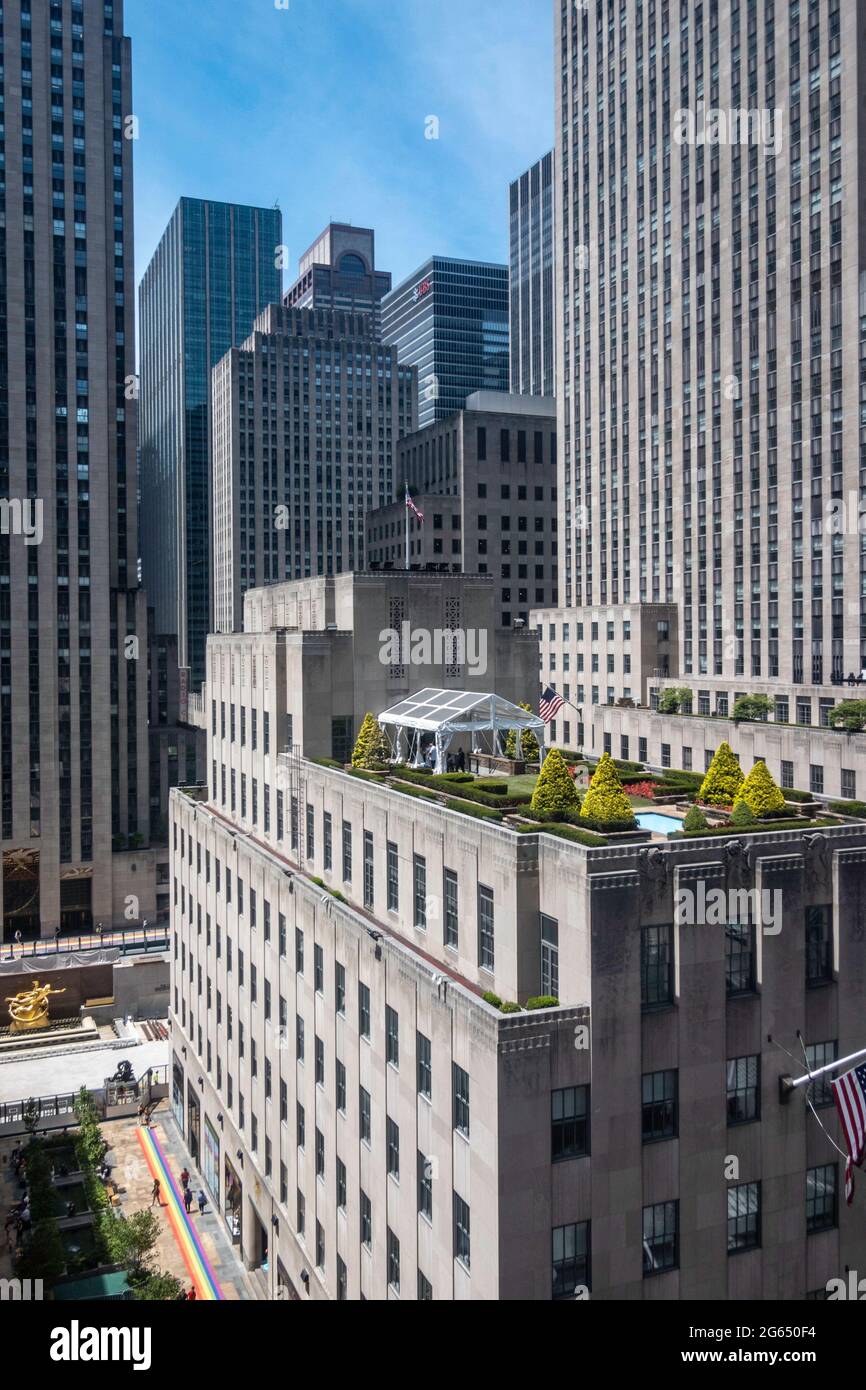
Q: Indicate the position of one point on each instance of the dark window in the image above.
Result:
(660, 1237)
(744, 1217)
(392, 1146)
(821, 1197)
(819, 1055)
(571, 1248)
(425, 1186)
(656, 967)
(485, 928)
(569, 1122)
(392, 1035)
(451, 928)
(819, 944)
(368, 869)
(364, 1010)
(420, 891)
(462, 1250)
(425, 1065)
(393, 878)
(659, 1105)
(740, 957)
(744, 1089)
(460, 1080)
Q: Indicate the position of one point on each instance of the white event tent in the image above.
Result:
(444, 713)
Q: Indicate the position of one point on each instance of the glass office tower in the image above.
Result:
(532, 326)
(450, 320)
(215, 268)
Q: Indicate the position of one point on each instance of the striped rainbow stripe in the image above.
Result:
(185, 1234)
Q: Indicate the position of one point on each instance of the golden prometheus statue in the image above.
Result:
(30, 1008)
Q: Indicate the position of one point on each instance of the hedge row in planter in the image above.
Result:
(471, 808)
(753, 828)
(848, 808)
(566, 832)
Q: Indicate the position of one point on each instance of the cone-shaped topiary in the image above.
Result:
(723, 779)
(741, 814)
(529, 743)
(555, 790)
(760, 792)
(605, 799)
(368, 749)
(695, 820)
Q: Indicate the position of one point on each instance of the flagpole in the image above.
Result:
(789, 1084)
(406, 510)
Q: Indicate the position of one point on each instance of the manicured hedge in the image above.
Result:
(757, 828)
(470, 808)
(848, 808)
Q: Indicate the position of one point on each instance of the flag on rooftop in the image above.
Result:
(550, 704)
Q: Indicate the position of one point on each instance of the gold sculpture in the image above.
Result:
(29, 1009)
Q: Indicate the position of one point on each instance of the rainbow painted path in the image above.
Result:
(185, 1234)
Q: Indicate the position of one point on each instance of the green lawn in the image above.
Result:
(521, 786)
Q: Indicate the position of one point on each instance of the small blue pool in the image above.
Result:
(657, 823)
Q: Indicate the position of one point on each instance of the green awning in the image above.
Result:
(92, 1287)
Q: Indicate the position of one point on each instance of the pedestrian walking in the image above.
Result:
(202, 1201)
(142, 1114)
(187, 1199)
(18, 938)
(155, 1199)
(184, 1178)
(191, 1296)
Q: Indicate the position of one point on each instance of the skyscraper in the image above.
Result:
(292, 484)
(339, 272)
(709, 309)
(73, 621)
(450, 320)
(215, 269)
(532, 312)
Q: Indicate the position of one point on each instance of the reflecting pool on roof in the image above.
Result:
(657, 823)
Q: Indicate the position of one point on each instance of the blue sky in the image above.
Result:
(322, 106)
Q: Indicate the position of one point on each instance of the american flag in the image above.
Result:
(849, 1092)
(550, 704)
(411, 505)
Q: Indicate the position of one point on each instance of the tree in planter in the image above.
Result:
(132, 1240)
(849, 715)
(723, 780)
(760, 792)
(695, 821)
(751, 708)
(528, 742)
(741, 814)
(555, 792)
(43, 1257)
(372, 748)
(672, 700)
(605, 800)
(30, 1116)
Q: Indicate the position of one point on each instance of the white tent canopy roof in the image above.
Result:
(459, 711)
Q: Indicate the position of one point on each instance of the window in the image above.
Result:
(328, 841)
(569, 1123)
(740, 957)
(819, 944)
(319, 969)
(363, 1010)
(571, 1248)
(816, 778)
(365, 1127)
(485, 928)
(342, 1281)
(460, 1080)
(366, 1220)
(461, 1231)
(425, 1186)
(425, 1289)
(819, 1055)
(849, 784)
(299, 1037)
(301, 1118)
(393, 1261)
(451, 921)
(341, 1184)
(549, 957)
(393, 878)
(392, 1146)
(744, 1089)
(299, 951)
(787, 774)
(420, 891)
(320, 1153)
(302, 1213)
(340, 988)
(660, 1237)
(821, 1197)
(320, 1246)
(368, 869)
(311, 832)
(424, 1055)
(392, 1036)
(320, 1062)
(347, 852)
(744, 1217)
(341, 1086)
(656, 967)
(659, 1105)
